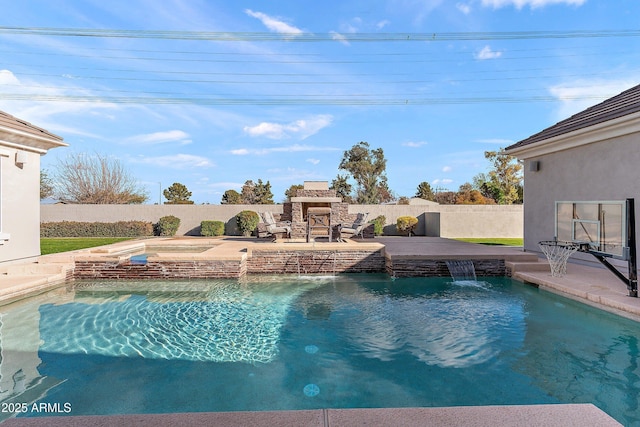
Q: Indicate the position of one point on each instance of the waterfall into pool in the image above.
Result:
(462, 270)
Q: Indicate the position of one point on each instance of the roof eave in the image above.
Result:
(599, 132)
(28, 141)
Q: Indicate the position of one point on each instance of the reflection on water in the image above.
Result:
(227, 323)
(355, 340)
(447, 332)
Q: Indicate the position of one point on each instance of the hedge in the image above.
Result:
(247, 222)
(167, 226)
(406, 224)
(96, 229)
(378, 225)
(211, 228)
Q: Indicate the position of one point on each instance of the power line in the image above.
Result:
(311, 37)
(353, 101)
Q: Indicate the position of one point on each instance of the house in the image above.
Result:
(21, 145)
(592, 156)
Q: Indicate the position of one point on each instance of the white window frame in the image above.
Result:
(4, 237)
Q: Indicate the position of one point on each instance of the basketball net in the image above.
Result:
(558, 253)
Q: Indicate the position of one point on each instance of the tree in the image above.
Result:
(385, 194)
(342, 188)
(292, 191)
(256, 193)
(505, 177)
(367, 167)
(445, 197)
(424, 191)
(177, 194)
(231, 197)
(263, 193)
(96, 179)
(467, 195)
(247, 194)
(46, 185)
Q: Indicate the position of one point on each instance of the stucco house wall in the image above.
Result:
(21, 145)
(596, 162)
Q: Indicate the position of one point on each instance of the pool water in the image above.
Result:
(284, 343)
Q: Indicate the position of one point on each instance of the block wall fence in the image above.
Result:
(450, 221)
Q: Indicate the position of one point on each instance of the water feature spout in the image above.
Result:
(461, 270)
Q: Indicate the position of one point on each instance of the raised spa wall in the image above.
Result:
(263, 258)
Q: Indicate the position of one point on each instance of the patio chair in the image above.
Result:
(274, 228)
(354, 229)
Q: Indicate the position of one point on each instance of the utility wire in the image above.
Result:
(311, 37)
(354, 101)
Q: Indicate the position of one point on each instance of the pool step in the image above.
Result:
(518, 266)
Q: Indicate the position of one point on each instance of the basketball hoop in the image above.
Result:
(558, 253)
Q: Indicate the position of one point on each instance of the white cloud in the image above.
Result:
(313, 161)
(339, 37)
(380, 25)
(176, 161)
(581, 94)
(273, 24)
(8, 78)
(533, 4)
(464, 8)
(447, 169)
(160, 138)
(487, 53)
(414, 144)
(300, 128)
(286, 149)
(442, 181)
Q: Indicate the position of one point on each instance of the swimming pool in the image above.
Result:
(279, 343)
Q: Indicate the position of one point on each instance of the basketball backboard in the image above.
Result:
(602, 225)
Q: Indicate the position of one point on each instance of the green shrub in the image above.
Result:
(406, 224)
(96, 229)
(247, 222)
(211, 228)
(378, 225)
(167, 226)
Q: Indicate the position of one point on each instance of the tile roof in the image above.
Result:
(15, 124)
(625, 103)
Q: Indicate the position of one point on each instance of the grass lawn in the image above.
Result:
(53, 245)
(491, 241)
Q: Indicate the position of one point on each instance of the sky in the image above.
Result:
(212, 93)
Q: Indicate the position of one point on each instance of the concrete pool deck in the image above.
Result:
(594, 286)
(576, 415)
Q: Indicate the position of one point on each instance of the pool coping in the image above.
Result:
(569, 415)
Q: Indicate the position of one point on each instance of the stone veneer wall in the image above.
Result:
(316, 262)
(289, 261)
(167, 269)
(315, 193)
(407, 267)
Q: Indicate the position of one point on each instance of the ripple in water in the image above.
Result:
(233, 325)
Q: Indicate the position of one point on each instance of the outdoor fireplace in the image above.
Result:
(315, 211)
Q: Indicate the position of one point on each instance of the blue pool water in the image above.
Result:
(281, 343)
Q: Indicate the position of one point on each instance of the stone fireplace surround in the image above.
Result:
(314, 194)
